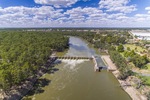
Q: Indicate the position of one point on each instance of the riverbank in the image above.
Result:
(18, 91)
(134, 94)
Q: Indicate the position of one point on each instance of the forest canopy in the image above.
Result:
(23, 53)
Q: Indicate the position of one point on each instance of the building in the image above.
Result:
(140, 34)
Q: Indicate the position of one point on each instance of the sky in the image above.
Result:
(74, 13)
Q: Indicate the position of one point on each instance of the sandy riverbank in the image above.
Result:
(134, 94)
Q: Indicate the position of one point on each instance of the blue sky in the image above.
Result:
(74, 13)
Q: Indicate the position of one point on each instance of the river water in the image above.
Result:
(76, 79)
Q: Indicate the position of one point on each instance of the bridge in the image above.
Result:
(95, 59)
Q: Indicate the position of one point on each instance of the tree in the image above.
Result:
(120, 48)
(128, 48)
(129, 54)
(23, 53)
(148, 52)
(139, 61)
(121, 64)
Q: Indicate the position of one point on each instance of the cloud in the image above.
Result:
(81, 15)
(147, 8)
(27, 16)
(48, 16)
(86, 12)
(56, 3)
(144, 16)
(117, 6)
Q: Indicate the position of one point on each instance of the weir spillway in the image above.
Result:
(72, 57)
(97, 66)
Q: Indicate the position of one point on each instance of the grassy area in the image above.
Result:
(146, 80)
(122, 53)
(148, 66)
(134, 47)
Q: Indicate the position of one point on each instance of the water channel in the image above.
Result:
(76, 79)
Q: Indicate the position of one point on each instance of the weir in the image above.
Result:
(95, 59)
(72, 57)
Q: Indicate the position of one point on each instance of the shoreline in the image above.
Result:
(130, 90)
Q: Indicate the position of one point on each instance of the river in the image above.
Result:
(76, 79)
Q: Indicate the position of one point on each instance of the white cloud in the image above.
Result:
(75, 13)
(47, 16)
(117, 5)
(56, 3)
(143, 17)
(86, 16)
(114, 16)
(27, 16)
(147, 8)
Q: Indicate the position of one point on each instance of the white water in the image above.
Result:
(72, 63)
